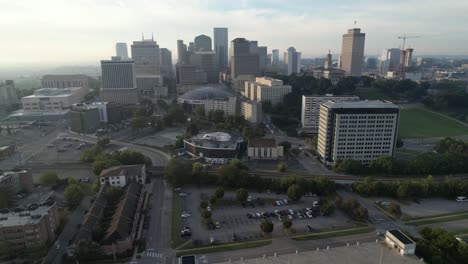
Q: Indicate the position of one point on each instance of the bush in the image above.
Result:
(203, 204)
(394, 209)
(327, 208)
(266, 226)
(206, 214)
(219, 193)
(73, 195)
(287, 224)
(213, 199)
(295, 192)
(49, 178)
(281, 167)
(242, 195)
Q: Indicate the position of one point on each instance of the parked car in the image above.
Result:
(212, 240)
(462, 199)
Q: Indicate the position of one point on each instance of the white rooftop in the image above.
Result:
(360, 104)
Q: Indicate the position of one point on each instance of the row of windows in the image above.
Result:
(369, 117)
(363, 152)
(367, 122)
(365, 130)
(364, 126)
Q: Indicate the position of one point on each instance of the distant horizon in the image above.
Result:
(69, 32)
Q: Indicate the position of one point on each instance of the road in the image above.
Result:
(54, 256)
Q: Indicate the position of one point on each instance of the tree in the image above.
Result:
(394, 209)
(191, 129)
(266, 226)
(89, 250)
(287, 223)
(203, 204)
(179, 142)
(213, 199)
(7, 250)
(73, 195)
(267, 107)
(348, 166)
(139, 122)
(286, 145)
(206, 214)
(130, 157)
(103, 142)
(90, 154)
(294, 192)
(178, 173)
(49, 178)
(219, 192)
(241, 195)
(36, 251)
(103, 162)
(200, 111)
(281, 167)
(327, 208)
(247, 132)
(71, 181)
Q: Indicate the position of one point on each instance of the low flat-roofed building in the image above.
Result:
(84, 118)
(52, 99)
(396, 239)
(213, 146)
(120, 176)
(264, 148)
(26, 227)
(20, 180)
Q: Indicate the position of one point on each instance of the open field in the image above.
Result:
(419, 123)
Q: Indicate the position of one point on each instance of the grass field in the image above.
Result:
(418, 123)
(176, 221)
(441, 219)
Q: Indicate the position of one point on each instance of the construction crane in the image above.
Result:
(404, 37)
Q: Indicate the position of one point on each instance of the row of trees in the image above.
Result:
(353, 208)
(438, 246)
(236, 175)
(451, 98)
(401, 89)
(449, 188)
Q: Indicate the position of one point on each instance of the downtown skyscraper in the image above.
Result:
(220, 36)
(352, 52)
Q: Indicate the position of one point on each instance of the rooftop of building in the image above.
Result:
(40, 195)
(53, 92)
(64, 76)
(329, 69)
(25, 217)
(122, 170)
(215, 140)
(207, 93)
(93, 216)
(329, 96)
(263, 143)
(361, 104)
(2, 148)
(402, 237)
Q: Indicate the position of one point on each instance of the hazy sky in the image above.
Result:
(85, 31)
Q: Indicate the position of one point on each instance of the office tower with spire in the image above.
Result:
(243, 61)
(292, 60)
(220, 36)
(121, 50)
(202, 43)
(352, 52)
(145, 53)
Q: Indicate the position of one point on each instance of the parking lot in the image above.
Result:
(60, 150)
(229, 217)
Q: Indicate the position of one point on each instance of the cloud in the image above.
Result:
(86, 30)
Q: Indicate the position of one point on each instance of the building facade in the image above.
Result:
(120, 176)
(52, 99)
(8, 93)
(397, 239)
(206, 61)
(65, 81)
(275, 56)
(310, 111)
(84, 119)
(357, 130)
(228, 105)
(145, 54)
(121, 50)
(243, 61)
(119, 83)
(352, 52)
(20, 180)
(166, 62)
(252, 111)
(389, 61)
(264, 149)
(221, 46)
(266, 89)
(202, 43)
(292, 60)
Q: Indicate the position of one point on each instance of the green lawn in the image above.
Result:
(418, 123)
(336, 233)
(176, 220)
(440, 219)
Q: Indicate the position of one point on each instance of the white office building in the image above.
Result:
(119, 83)
(65, 81)
(310, 112)
(266, 89)
(120, 176)
(252, 111)
(358, 130)
(52, 99)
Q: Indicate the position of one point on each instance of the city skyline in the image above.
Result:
(60, 34)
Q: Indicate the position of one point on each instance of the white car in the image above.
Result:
(212, 240)
(285, 201)
(185, 215)
(309, 214)
(291, 212)
(208, 208)
(315, 203)
(462, 199)
(249, 198)
(182, 194)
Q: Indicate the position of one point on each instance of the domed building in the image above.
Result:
(212, 98)
(215, 147)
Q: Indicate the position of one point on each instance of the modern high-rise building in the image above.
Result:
(8, 93)
(243, 62)
(202, 43)
(292, 59)
(275, 57)
(119, 83)
(311, 109)
(262, 57)
(253, 45)
(352, 52)
(145, 54)
(221, 46)
(166, 62)
(389, 61)
(191, 47)
(266, 89)
(357, 130)
(206, 61)
(409, 57)
(121, 50)
(181, 52)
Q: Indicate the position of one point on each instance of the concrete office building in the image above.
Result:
(352, 52)
(181, 52)
(310, 112)
(52, 99)
(19, 181)
(188, 74)
(121, 176)
(266, 89)
(221, 46)
(239, 82)
(8, 93)
(66, 81)
(398, 240)
(119, 84)
(358, 130)
(251, 111)
(262, 52)
(292, 60)
(166, 62)
(227, 105)
(84, 119)
(206, 61)
(25, 228)
(264, 149)
(108, 112)
(121, 50)
(388, 61)
(217, 147)
(243, 61)
(275, 56)
(145, 54)
(202, 43)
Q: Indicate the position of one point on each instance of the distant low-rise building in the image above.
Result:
(8, 93)
(264, 149)
(403, 244)
(120, 176)
(26, 227)
(332, 74)
(213, 147)
(84, 119)
(265, 89)
(52, 99)
(66, 81)
(6, 151)
(20, 180)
